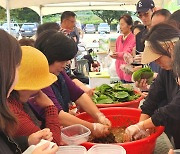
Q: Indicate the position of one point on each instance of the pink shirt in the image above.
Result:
(122, 47)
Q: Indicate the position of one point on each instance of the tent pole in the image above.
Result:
(41, 17)
(8, 16)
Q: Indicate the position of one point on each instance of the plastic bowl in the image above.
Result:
(123, 117)
(75, 134)
(132, 104)
(106, 149)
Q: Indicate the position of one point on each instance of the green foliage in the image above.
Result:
(109, 16)
(106, 94)
(2, 14)
(52, 18)
(143, 73)
(24, 15)
(20, 15)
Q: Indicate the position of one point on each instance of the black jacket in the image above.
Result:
(140, 40)
(12, 146)
(7, 145)
(166, 88)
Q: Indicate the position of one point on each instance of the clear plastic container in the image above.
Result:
(75, 134)
(106, 149)
(71, 149)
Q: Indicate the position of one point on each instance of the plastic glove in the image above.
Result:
(100, 130)
(136, 131)
(103, 120)
(137, 59)
(127, 68)
(141, 134)
(128, 58)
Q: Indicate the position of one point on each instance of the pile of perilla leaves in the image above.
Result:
(106, 94)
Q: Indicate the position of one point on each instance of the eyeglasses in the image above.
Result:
(146, 14)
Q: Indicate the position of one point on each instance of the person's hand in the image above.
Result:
(137, 59)
(114, 55)
(135, 68)
(89, 91)
(35, 138)
(128, 58)
(44, 149)
(43, 100)
(103, 120)
(100, 130)
(142, 85)
(136, 131)
(127, 68)
(144, 94)
(171, 151)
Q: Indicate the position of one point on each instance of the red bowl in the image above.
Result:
(123, 117)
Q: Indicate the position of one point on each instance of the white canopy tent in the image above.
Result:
(45, 7)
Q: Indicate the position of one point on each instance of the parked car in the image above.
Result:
(90, 28)
(103, 28)
(28, 29)
(14, 29)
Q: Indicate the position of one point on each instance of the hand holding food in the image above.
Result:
(100, 130)
(143, 73)
(137, 131)
(35, 138)
(103, 120)
(114, 55)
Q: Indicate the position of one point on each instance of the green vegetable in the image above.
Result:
(121, 95)
(143, 73)
(106, 94)
(103, 99)
(104, 87)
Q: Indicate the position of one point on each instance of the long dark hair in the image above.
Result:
(174, 18)
(176, 59)
(10, 57)
(161, 33)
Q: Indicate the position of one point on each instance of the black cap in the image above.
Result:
(144, 5)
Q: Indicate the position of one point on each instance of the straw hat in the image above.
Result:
(148, 55)
(34, 70)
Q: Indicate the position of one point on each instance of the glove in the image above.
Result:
(128, 58)
(127, 68)
(136, 131)
(103, 120)
(100, 130)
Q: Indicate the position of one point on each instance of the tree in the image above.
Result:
(24, 15)
(2, 14)
(109, 15)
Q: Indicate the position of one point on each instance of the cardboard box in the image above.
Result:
(98, 78)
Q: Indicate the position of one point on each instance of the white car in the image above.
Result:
(14, 29)
(103, 28)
